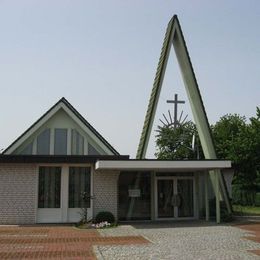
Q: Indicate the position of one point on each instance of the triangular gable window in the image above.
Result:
(43, 142)
(77, 143)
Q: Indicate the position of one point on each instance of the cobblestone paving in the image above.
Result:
(55, 242)
(179, 241)
(254, 228)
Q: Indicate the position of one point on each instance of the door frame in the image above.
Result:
(174, 179)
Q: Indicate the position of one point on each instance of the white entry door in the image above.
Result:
(60, 193)
(174, 198)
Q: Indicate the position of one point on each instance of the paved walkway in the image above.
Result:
(54, 242)
(171, 240)
(254, 228)
(182, 241)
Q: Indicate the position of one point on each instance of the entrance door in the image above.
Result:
(175, 198)
(62, 194)
(49, 195)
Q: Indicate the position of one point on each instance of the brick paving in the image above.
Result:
(254, 229)
(55, 242)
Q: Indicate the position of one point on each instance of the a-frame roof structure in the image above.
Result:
(73, 113)
(174, 37)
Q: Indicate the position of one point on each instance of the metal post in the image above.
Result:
(217, 198)
(206, 196)
(153, 179)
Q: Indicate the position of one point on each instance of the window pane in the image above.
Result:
(77, 143)
(27, 150)
(49, 187)
(134, 196)
(43, 142)
(92, 150)
(60, 141)
(164, 198)
(79, 185)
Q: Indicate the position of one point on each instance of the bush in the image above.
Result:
(257, 199)
(105, 216)
(242, 195)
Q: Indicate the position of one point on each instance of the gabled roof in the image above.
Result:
(62, 103)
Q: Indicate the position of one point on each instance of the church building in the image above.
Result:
(46, 173)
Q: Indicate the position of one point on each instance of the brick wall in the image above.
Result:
(105, 189)
(18, 193)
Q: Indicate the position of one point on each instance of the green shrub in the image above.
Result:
(105, 216)
(242, 195)
(257, 199)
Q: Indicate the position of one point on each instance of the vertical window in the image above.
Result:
(49, 187)
(134, 196)
(60, 141)
(92, 150)
(77, 143)
(79, 187)
(43, 142)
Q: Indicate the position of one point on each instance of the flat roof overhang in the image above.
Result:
(162, 165)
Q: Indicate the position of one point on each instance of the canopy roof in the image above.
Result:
(162, 165)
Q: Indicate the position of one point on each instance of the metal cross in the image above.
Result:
(175, 102)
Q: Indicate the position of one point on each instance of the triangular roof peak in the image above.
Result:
(174, 38)
(64, 104)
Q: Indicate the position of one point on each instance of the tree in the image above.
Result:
(176, 143)
(239, 141)
(235, 139)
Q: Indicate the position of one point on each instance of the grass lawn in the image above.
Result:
(246, 210)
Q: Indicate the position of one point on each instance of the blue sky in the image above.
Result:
(102, 56)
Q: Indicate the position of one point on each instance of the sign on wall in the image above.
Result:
(134, 193)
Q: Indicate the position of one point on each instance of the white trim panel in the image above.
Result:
(161, 165)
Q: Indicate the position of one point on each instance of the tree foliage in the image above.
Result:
(239, 141)
(235, 139)
(176, 143)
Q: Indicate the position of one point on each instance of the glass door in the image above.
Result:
(175, 198)
(185, 194)
(165, 192)
(49, 195)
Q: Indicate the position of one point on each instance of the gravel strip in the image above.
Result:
(175, 241)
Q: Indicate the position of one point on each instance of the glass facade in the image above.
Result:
(134, 196)
(49, 187)
(79, 187)
(171, 197)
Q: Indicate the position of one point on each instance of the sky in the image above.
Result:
(102, 57)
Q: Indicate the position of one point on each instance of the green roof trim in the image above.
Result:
(174, 36)
(157, 85)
